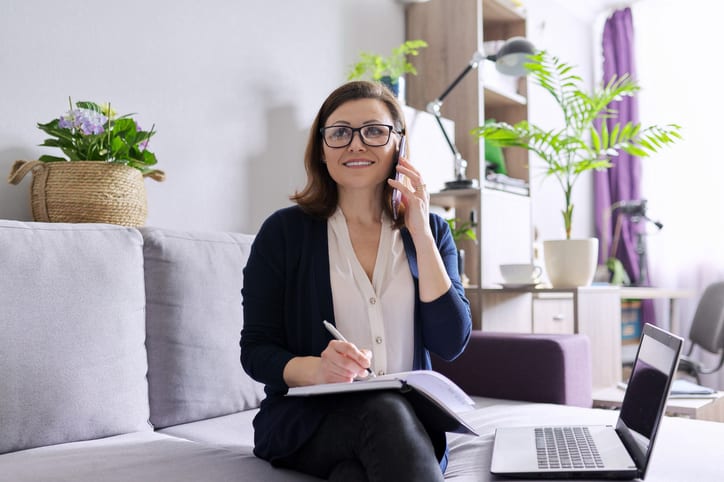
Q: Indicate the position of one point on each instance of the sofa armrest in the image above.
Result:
(544, 368)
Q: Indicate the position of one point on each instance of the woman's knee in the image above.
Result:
(391, 410)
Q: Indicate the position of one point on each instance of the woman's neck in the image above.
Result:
(361, 207)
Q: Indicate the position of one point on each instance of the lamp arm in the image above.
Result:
(434, 106)
(444, 133)
(434, 109)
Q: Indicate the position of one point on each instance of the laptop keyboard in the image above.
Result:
(566, 448)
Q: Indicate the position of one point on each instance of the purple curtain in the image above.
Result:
(623, 181)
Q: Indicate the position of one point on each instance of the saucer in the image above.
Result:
(519, 285)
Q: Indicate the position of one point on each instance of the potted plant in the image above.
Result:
(389, 70)
(462, 230)
(100, 179)
(580, 145)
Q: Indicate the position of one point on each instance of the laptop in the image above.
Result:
(620, 452)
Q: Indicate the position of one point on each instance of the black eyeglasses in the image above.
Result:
(373, 135)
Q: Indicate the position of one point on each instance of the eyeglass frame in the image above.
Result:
(358, 130)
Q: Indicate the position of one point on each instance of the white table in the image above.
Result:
(700, 408)
(651, 293)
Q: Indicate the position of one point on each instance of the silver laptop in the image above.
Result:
(588, 452)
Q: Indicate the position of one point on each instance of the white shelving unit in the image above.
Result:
(454, 31)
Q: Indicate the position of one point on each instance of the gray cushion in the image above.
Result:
(72, 355)
(140, 457)
(194, 320)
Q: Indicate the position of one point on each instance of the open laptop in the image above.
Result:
(620, 452)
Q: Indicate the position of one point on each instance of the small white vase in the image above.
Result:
(570, 263)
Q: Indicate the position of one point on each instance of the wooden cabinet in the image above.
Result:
(455, 30)
(594, 311)
(553, 314)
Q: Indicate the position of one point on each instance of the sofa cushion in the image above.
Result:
(140, 457)
(194, 320)
(233, 432)
(72, 355)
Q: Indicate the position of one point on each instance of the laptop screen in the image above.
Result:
(648, 388)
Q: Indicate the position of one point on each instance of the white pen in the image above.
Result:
(337, 335)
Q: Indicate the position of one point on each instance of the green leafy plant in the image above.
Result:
(93, 132)
(394, 66)
(579, 145)
(461, 229)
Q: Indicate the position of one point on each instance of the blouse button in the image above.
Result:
(378, 340)
(373, 301)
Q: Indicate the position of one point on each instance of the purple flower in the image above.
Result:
(65, 123)
(89, 122)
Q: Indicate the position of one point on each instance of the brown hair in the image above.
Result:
(320, 196)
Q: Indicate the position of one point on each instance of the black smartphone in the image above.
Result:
(396, 194)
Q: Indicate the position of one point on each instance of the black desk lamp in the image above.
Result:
(509, 60)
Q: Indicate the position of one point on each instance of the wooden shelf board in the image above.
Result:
(502, 11)
(496, 98)
(448, 199)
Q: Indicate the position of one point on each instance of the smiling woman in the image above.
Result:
(391, 286)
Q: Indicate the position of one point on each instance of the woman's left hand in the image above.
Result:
(416, 199)
(434, 280)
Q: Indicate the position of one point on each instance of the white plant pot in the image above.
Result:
(570, 262)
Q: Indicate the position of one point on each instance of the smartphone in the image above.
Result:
(396, 194)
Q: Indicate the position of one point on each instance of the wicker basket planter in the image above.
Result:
(85, 192)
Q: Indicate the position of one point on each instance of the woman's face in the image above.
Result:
(359, 165)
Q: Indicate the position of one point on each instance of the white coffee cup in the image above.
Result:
(521, 273)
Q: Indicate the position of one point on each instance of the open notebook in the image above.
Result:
(437, 400)
(587, 452)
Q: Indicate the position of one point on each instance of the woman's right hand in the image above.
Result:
(341, 361)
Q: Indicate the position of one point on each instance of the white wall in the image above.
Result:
(231, 85)
(566, 30)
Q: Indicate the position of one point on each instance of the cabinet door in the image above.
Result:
(507, 312)
(553, 315)
(506, 232)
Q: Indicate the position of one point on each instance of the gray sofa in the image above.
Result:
(119, 361)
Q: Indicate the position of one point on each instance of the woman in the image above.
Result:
(391, 288)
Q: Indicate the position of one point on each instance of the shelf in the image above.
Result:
(454, 29)
(502, 11)
(448, 199)
(495, 97)
(512, 189)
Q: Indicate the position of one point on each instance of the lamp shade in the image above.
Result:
(513, 55)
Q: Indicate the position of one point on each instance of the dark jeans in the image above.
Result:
(371, 436)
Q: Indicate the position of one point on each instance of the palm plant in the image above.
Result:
(585, 141)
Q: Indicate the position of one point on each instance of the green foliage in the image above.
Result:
(461, 229)
(374, 67)
(92, 132)
(619, 276)
(579, 145)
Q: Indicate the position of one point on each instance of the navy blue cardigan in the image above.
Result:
(286, 295)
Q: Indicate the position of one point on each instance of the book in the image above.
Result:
(437, 400)
(681, 388)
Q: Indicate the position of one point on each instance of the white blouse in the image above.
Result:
(377, 315)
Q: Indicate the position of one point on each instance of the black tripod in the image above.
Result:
(636, 211)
